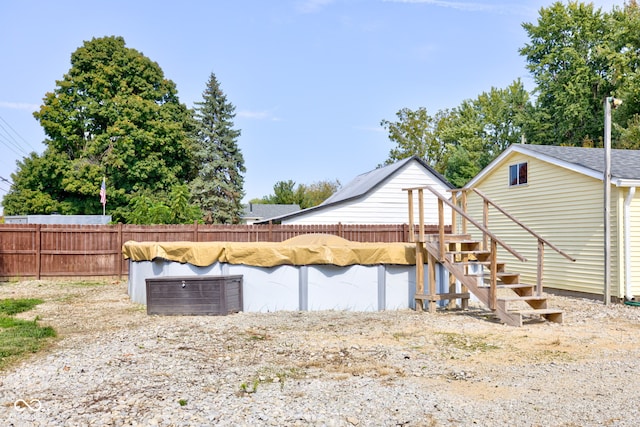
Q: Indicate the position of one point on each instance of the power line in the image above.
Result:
(8, 141)
(17, 134)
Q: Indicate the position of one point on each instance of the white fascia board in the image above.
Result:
(522, 149)
(626, 182)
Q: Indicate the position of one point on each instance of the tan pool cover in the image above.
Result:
(301, 250)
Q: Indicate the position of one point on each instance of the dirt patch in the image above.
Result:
(591, 331)
(462, 356)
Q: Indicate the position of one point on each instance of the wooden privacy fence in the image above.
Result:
(45, 250)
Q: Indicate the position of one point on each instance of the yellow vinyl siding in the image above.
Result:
(563, 206)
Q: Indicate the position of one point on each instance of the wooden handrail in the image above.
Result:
(530, 231)
(472, 221)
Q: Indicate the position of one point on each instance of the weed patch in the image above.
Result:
(17, 336)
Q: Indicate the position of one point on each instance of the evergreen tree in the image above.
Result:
(218, 187)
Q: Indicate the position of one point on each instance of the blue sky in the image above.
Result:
(311, 79)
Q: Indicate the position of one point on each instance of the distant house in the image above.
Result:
(255, 212)
(559, 193)
(58, 219)
(375, 197)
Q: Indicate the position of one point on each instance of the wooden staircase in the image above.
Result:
(475, 266)
(512, 301)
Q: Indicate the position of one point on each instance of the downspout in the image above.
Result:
(628, 296)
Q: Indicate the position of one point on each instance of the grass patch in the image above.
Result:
(85, 283)
(268, 375)
(468, 343)
(19, 337)
(9, 307)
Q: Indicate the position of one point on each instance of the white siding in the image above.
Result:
(563, 206)
(386, 204)
(635, 245)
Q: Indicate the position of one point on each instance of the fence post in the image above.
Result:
(38, 242)
(195, 230)
(120, 257)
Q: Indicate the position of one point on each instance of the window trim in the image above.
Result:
(521, 169)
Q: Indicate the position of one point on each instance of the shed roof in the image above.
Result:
(365, 183)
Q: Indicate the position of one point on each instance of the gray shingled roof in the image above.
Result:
(365, 182)
(625, 164)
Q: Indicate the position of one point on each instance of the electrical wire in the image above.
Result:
(31, 147)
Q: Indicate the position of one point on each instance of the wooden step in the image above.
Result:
(506, 278)
(476, 254)
(516, 286)
(551, 314)
(464, 245)
(433, 238)
(522, 289)
(523, 298)
(534, 301)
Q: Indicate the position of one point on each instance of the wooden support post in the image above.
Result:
(493, 290)
(452, 290)
(412, 231)
(421, 214)
(539, 280)
(454, 214)
(419, 275)
(463, 206)
(431, 277)
(441, 229)
(485, 223)
(463, 289)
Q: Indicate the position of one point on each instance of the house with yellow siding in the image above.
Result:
(559, 193)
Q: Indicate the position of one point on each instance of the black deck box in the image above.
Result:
(198, 295)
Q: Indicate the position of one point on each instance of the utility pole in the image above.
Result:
(609, 102)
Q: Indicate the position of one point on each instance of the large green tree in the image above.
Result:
(460, 142)
(414, 133)
(571, 56)
(112, 115)
(218, 186)
(303, 195)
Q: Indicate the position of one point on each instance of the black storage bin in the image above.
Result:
(198, 295)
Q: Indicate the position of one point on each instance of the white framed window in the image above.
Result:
(518, 174)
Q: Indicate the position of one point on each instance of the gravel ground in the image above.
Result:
(114, 365)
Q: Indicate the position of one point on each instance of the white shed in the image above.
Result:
(376, 197)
